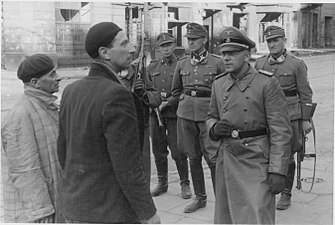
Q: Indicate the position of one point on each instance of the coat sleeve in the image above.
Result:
(177, 85)
(24, 166)
(121, 132)
(213, 111)
(303, 88)
(279, 127)
(151, 97)
(61, 142)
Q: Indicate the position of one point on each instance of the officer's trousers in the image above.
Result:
(162, 137)
(296, 146)
(193, 137)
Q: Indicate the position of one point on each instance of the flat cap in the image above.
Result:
(34, 66)
(100, 35)
(165, 38)
(274, 31)
(233, 39)
(195, 30)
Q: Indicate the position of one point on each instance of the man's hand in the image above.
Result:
(163, 106)
(47, 219)
(222, 128)
(155, 219)
(306, 126)
(139, 87)
(276, 182)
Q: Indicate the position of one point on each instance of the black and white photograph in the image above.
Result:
(216, 112)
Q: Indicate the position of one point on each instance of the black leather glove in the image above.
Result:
(276, 182)
(139, 87)
(222, 128)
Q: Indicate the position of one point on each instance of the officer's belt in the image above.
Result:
(250, 133)
(290, 93)
(193, 93)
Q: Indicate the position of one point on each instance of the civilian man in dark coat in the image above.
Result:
(98, 145)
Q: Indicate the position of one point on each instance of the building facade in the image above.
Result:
(59, 28)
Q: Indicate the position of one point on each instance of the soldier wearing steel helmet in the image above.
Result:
(191, 86)
(163, 135)
(248, 115)
(291, 73)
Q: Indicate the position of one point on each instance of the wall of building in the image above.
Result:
(28, 28)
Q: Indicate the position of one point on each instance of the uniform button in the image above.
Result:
(224, 110)
(245, 110)
(224, 98)
(246, 144)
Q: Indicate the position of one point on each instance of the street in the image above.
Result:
(307, 208)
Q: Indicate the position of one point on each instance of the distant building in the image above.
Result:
(59, 28)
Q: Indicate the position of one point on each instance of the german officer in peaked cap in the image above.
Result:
(248, 115)
(161, 72)
(191, 86)
(291, 73)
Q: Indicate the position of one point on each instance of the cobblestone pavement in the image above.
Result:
(315, 207)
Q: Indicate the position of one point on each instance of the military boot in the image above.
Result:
(284, 201)
(161, 187)
(198, 202)
(182, 166)
(186, 191)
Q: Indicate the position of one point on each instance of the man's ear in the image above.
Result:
(35, 83)
(247, 56)
(103, 53)
(205, 40)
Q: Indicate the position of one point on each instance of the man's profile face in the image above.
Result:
(120, 52)
(276, 45)
(167, 49)
(197, 45)
(49, 82)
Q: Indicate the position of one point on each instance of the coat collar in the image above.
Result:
(243, 82)
(169, 61)
(102, 69)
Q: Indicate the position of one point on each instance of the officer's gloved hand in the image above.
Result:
(276, 182)
(222, 128)
(139, 87)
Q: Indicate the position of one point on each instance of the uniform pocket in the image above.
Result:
(286, 79)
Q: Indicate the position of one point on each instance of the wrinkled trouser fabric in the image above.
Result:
(194, 138)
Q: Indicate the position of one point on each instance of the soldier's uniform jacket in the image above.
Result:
(161, 71)
(193, 79)
(292, 76)
(150, 99)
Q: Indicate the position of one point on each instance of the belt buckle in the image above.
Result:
(193, 93)
(235, 134)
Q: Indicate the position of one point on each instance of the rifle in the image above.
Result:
(301, 155)
(141, 66)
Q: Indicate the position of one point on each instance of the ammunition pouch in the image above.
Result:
(307, 110)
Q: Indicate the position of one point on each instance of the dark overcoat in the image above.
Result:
(99, 151)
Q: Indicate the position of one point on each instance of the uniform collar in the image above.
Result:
(199, 59)
(170, 60)
(243, 82)
(280, 59)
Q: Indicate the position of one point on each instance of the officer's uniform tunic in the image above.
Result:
(161, 74)
(253, 102)
(292, 76)
(192, 84)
